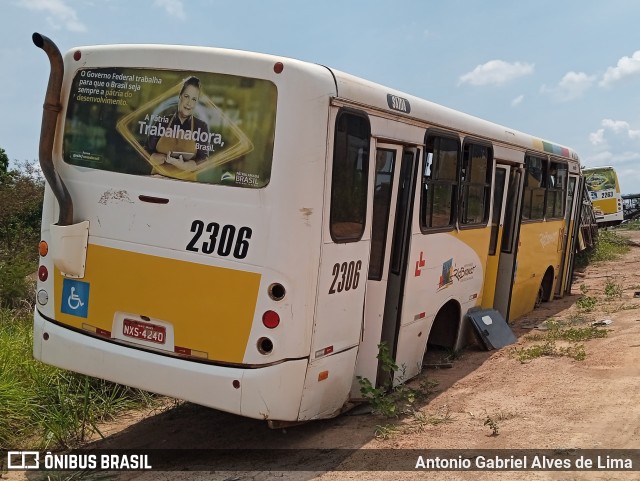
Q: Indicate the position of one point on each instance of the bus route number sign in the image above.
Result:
(144, 331)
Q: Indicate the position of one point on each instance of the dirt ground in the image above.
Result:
(550, 403)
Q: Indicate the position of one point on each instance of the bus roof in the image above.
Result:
(377, 96)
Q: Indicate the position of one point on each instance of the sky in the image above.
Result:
(566, 71)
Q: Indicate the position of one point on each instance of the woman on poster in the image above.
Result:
(186, 139)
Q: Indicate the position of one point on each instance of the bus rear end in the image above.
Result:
(604, 190)
(175, 273)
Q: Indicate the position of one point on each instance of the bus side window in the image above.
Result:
(535, 183)
(475, 182)
(349, 178)
(440, 182)
(556, 190)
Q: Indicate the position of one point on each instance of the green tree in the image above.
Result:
(4, 165)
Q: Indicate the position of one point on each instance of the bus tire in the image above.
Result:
(544, 291)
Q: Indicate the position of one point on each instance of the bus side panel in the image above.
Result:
(539, 248)
(442, 267)
(327, 385)
(341, 288)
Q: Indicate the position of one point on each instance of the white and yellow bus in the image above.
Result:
(604, 190)
(243, 230)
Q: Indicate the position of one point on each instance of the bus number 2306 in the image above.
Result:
(224, 241)
(346, 276)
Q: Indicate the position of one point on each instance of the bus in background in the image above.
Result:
(631, 206)
(243, 231)
(604, 189)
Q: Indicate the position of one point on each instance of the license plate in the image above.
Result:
(144, 331)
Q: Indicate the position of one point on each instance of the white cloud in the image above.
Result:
(172, 7)
(597, 137)
(621, 127)
(615, 125)
(60, 15)
(625, 67)
(517, 101)
(574, 84)
(571, 86)
(496, 72)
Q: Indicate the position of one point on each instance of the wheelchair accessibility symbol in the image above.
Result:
(75, 298)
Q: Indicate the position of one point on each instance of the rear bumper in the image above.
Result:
(273, 392)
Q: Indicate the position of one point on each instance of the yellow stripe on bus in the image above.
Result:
(210, 308)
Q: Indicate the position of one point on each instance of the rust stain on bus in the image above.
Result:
(306, 214)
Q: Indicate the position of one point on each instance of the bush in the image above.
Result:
(610, 246)
(21, 192)
(16, 287)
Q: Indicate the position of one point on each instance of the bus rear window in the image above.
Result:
(194, 126)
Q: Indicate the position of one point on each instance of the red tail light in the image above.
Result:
(43, 273)
(270, 319)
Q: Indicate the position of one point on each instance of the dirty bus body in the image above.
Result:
(246, 240)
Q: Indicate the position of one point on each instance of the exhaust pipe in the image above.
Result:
(51, 109)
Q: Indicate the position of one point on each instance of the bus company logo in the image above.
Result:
(547, 238)
(446, 278)
(451, 273)
(465, 272)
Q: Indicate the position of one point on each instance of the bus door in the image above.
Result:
(508, 249)
(497, 228)
(567, 238)
(395, 173)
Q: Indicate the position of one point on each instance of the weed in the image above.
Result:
(387, 431)
(527, 354)
(610, 246)
(612, 289)
(493, 425)
(558, 333)
(571, 334)
(417, 423)
(583, 288)
(586, 303)
(549, 348)
(389, 400)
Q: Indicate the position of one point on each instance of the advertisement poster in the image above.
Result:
(195, 126)
(601, 183)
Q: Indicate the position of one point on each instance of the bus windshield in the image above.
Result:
(196, 126)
